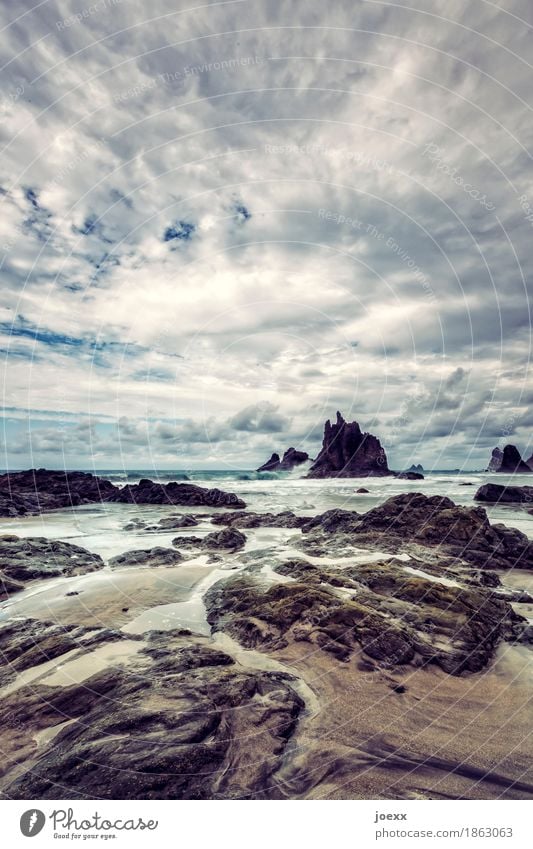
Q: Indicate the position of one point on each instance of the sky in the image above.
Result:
(223, 222)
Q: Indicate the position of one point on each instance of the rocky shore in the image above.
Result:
(352, 661)
(37, 491)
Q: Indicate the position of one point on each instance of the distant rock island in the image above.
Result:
(291, 459)
(347, 452)
(419, 469)
(509, 461)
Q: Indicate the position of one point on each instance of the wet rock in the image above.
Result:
(38, 490)
(347, 452)
(156, 556)
(228, 539)
(334, 520)
(172, 523)
(135, 525)
(29, 642)
(30, 558)
(291, 459)
(184, 521)
(182, 494)
(494, 493)
(266, 618)
(180, 722)
(410, 476)
(362, 489)
(414, 519)
(287, 519)
(457, 628)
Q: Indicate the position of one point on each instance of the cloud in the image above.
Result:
(282, 210)
(260, 418)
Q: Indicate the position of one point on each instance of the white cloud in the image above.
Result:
(291, 111)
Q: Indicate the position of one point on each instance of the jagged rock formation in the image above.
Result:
(182, 494)
(410, 476)
(418, 468)
(291, 459)
(495, 460)
(410, 521)
(37, 490)
(508, 461)
(530, 462)
(495, 493)
(347, 452)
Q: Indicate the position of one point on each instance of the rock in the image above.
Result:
(30, 558)
(287, 519)
(38, 490)
(410, 476)
(414, 519)
(147, 557)
(530, 462)
(135, 525)
(30, 642)
(398, 618)
(181, 721)
(495, 460)
(466, 483)
(362, 489)
(182, 494)
(270, 465)
(291, 459)
(348, 453)
(229, 539)
(170, 522)
(496, 493)
(418, 468)
(508, 461)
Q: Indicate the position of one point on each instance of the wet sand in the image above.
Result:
(444, 737)
(109, 598)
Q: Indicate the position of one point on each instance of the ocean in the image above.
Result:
(102, 527)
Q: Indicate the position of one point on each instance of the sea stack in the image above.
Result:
(291, 459)
(347, 452)
(508, 461)
(495, 460)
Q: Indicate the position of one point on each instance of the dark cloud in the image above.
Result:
(260, 418)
